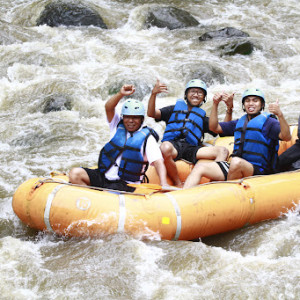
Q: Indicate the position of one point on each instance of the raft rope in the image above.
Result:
(51, 180)
(61, 181)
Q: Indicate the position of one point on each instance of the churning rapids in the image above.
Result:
(79, 67)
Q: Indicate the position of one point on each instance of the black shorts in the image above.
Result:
(289, 157)
(185, 150)
(224, 166)
(98, 179)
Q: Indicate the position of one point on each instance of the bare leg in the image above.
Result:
(239, 168)
(217, 153)
(79, 176)
(169, 153)
(210, 170)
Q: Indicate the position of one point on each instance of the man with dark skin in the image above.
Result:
(256, 136)
(186, 125)
(124, 159)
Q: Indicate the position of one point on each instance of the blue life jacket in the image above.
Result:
(132, 165)
(252, 145)
(185, 124)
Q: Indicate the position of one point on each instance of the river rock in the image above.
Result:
(57, 103)
(70, 14)
(238, 44)
(243, 47)
(169, 17)
(227, 32)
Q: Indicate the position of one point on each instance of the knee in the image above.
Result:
(222, 153)
(166, 149)
(75, 174)
(198, 168)
(235, 164)
(225, 152)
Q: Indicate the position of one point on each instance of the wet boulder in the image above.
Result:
(169, 17)
(238, 41)
(242, 47)
(69, 14)
(225, 33)
(57, 103)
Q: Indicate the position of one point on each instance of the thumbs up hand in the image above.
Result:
(274, 108)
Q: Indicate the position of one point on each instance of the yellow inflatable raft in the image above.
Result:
(54, 205)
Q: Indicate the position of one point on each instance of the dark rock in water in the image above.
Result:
(142, 89)
(227, 32)
(242, 47)
(57, 103)
(169, 17)
(70, 14)
(238, 44)
(209, 74)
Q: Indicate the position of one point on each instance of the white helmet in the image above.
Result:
(133, 108)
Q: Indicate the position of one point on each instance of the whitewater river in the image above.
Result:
(83, 65)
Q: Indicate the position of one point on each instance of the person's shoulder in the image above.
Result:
(166, 113)
(115, 121)
(152, 133)
(228, 127)
(151, 145)
(167, 108)
(272, 127)
(229, 123)
(152, 139)
(272, 118)
(272, 121)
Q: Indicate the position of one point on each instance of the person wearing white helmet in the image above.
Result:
(132, 147)
(186, 124)
(256, 140)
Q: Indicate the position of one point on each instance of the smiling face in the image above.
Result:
(253, 105)
(132, 123)
(195, 96)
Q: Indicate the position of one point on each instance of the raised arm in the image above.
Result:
(284, 134)
(228, 99)
(112, 102)
(152, 111)
(213, 119)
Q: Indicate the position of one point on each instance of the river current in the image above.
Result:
(82, 64)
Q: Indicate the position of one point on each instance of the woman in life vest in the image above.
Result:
(132, 147)
(186, 124)
(256, 139)
(289, 160)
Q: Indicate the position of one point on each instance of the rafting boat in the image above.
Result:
(52, 204)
